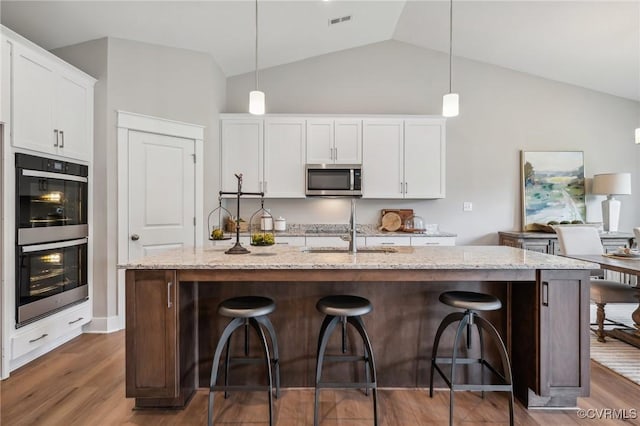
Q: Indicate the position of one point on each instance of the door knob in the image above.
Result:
(135, 237)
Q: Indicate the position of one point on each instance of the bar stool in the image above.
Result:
(471, 302)
(246, 311)
(345, 309)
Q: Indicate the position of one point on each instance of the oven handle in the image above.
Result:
(50, 246)
(60, 176)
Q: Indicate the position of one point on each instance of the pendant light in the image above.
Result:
(256, 97)
(450, 101)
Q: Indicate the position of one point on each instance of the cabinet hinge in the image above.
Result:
(194, 158)
(194, 221)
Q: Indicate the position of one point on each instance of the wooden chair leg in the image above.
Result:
(600, 321)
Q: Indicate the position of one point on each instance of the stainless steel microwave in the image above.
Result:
(333, 180)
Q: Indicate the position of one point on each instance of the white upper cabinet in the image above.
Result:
(334, 141)
(284, 157)
(52, 103)
(241, 146)
(34, 91)
(268, 152)
(404, 158)
(382, 162)
(424, 158)
(401, 157)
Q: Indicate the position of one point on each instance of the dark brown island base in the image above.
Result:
(172, 325)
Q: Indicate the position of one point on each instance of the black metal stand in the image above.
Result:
(237, 247)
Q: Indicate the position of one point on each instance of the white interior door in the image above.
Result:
(161, 193)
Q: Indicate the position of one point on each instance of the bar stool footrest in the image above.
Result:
(501, 384)
(233, 388)
(349, 385)
(344, 358)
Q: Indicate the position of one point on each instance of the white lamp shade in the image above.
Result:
(638, 135)
(612, 184)
(450, 105)
(256, 102)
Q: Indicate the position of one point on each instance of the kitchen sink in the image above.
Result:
(345, 250)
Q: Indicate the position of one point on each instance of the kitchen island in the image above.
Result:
(172, 326)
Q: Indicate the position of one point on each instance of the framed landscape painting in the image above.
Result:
(553, 189)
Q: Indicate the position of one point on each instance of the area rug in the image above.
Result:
(618, 356)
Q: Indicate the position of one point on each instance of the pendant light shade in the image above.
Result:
(638, 135)
(450, 105)
(256, 102)
(256, 97)
(450, 101)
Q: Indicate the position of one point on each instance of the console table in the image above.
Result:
(544, 242)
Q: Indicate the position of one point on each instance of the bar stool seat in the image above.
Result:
(246, 311)
(246, 307)
(344, 306)
(471, 302)
(345, 309)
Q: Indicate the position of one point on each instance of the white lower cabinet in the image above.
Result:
(47, 330)
(388, 241)
(433, 241)
(321, 241)
(244, 240)
(290, 241)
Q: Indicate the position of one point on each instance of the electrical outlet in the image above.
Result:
(467, 206)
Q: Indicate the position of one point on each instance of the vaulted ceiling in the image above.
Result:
(593, 44)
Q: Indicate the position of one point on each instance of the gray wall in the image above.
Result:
(175, 84)
(502, 113)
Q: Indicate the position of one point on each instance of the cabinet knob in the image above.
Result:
(135, 237)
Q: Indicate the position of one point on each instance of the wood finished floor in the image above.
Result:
(82, 383)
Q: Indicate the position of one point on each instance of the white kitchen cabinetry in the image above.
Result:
(284, 153)
(388, 241)
(424, 158)
(52, 104)
(334, 141)
(241, 152)
(268, 152)
(382, 160)
(403, 158)
(290, 241)
(44, 333)
(433, 241)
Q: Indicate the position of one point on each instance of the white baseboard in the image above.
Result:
(103, 325)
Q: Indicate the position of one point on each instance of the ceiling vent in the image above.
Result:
(340, 20)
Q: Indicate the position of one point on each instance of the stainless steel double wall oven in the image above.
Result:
(51, 235)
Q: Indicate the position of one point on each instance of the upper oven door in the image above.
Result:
(50, 206)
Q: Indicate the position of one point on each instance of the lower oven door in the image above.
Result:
(50, 277)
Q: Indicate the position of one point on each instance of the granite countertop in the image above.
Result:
(284, 257)
(331, 230)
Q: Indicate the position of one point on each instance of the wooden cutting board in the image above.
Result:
(403, 213)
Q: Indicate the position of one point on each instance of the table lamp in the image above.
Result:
(611, 184)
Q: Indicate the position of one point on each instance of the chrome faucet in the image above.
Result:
(351, 236)
(352, 228)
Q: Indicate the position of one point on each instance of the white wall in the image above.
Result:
(176, 84)
(502, 113)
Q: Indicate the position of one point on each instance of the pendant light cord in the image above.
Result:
(450, 40)
(256, 73)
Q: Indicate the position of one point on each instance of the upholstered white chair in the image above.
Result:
(636, 233)
(584, 240)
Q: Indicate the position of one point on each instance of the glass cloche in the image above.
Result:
(415, 224)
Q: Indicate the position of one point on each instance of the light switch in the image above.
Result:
(467, 206)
